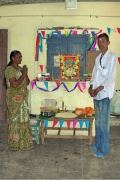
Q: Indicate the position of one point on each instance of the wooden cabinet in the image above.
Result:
(3, 63)
(90, 60)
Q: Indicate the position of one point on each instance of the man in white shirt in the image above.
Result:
(101, 89)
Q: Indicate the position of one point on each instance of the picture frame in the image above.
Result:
(69, 67)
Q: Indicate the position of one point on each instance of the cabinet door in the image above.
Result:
(77, 44)
(3, 63)
(55, 45)
(90, 60)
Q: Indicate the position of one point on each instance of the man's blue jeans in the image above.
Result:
(102, 127)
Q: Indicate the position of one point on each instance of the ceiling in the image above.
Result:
(14, 2)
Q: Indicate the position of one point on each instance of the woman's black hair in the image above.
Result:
(13, 54)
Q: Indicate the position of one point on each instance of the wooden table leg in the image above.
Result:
(42, 129)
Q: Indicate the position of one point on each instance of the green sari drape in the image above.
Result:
(19, 131)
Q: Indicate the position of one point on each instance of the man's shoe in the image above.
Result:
(93, 148)
(99, 155)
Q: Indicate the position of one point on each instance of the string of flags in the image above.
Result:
(41, 35)
(68, 123)
(69, 87)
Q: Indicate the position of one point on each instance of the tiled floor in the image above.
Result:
(60, 159)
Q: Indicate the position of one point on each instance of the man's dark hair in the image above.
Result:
(104, 35)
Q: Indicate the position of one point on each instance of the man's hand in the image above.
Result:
(97, 90)
(91, 91)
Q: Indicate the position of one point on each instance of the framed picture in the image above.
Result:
(69, 67)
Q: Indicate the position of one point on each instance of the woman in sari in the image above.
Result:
(19, 131)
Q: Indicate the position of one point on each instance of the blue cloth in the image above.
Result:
(104, 74)
(102, 120)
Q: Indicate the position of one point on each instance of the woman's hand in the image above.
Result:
(24, 70)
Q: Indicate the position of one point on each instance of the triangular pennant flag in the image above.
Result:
(37, 48)
(41, 68)
(81, 123)
(109, 30)
(69, 85)
(57, 83)
(54, 122)
(83, 85)
(32, 84)
(70, 32)
(87, 123)
(119, 60)
(46, 84)
(43, 33)
(93, 33)
(40, 47)
(74, 123)
(74, 32)
(46, 123)
(68, 123)
(61, 123)
(85, 31)
(66, 33)
(118, 29)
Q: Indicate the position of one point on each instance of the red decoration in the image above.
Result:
(69, 67)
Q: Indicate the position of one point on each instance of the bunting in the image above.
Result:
(68, 123)
(46, 123)
(80, 85)
(91, 46)
(74, 123)
(61, 123)
(55, 122)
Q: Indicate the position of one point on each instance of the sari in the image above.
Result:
(19, 130)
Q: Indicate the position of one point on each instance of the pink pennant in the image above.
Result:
(55, 122)
(32, 84)
(74, 32)
(119, 60)
(41, 68)
(58, 83)
(83, 85)
(68, 123)
(74, 123)
(43, 33)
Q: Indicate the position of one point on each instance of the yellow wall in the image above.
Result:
(22, 21)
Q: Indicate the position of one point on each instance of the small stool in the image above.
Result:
(35, 127)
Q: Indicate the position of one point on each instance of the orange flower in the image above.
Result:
(17, 98)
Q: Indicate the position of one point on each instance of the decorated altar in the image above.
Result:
(72, 93)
